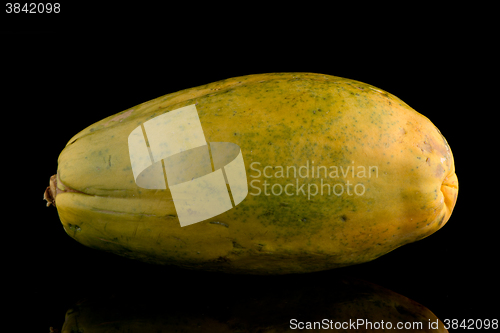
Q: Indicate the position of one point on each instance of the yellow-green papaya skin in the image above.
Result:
(277, 119)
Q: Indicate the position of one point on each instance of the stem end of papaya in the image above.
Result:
(50, 192)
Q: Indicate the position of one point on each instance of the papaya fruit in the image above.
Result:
(344, 304)
(263, 174)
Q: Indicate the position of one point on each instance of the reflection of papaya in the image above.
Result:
(256, 305)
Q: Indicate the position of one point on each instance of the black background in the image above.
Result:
(64, 73)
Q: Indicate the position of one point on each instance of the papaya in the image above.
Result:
(344, 304)
(270, 173)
